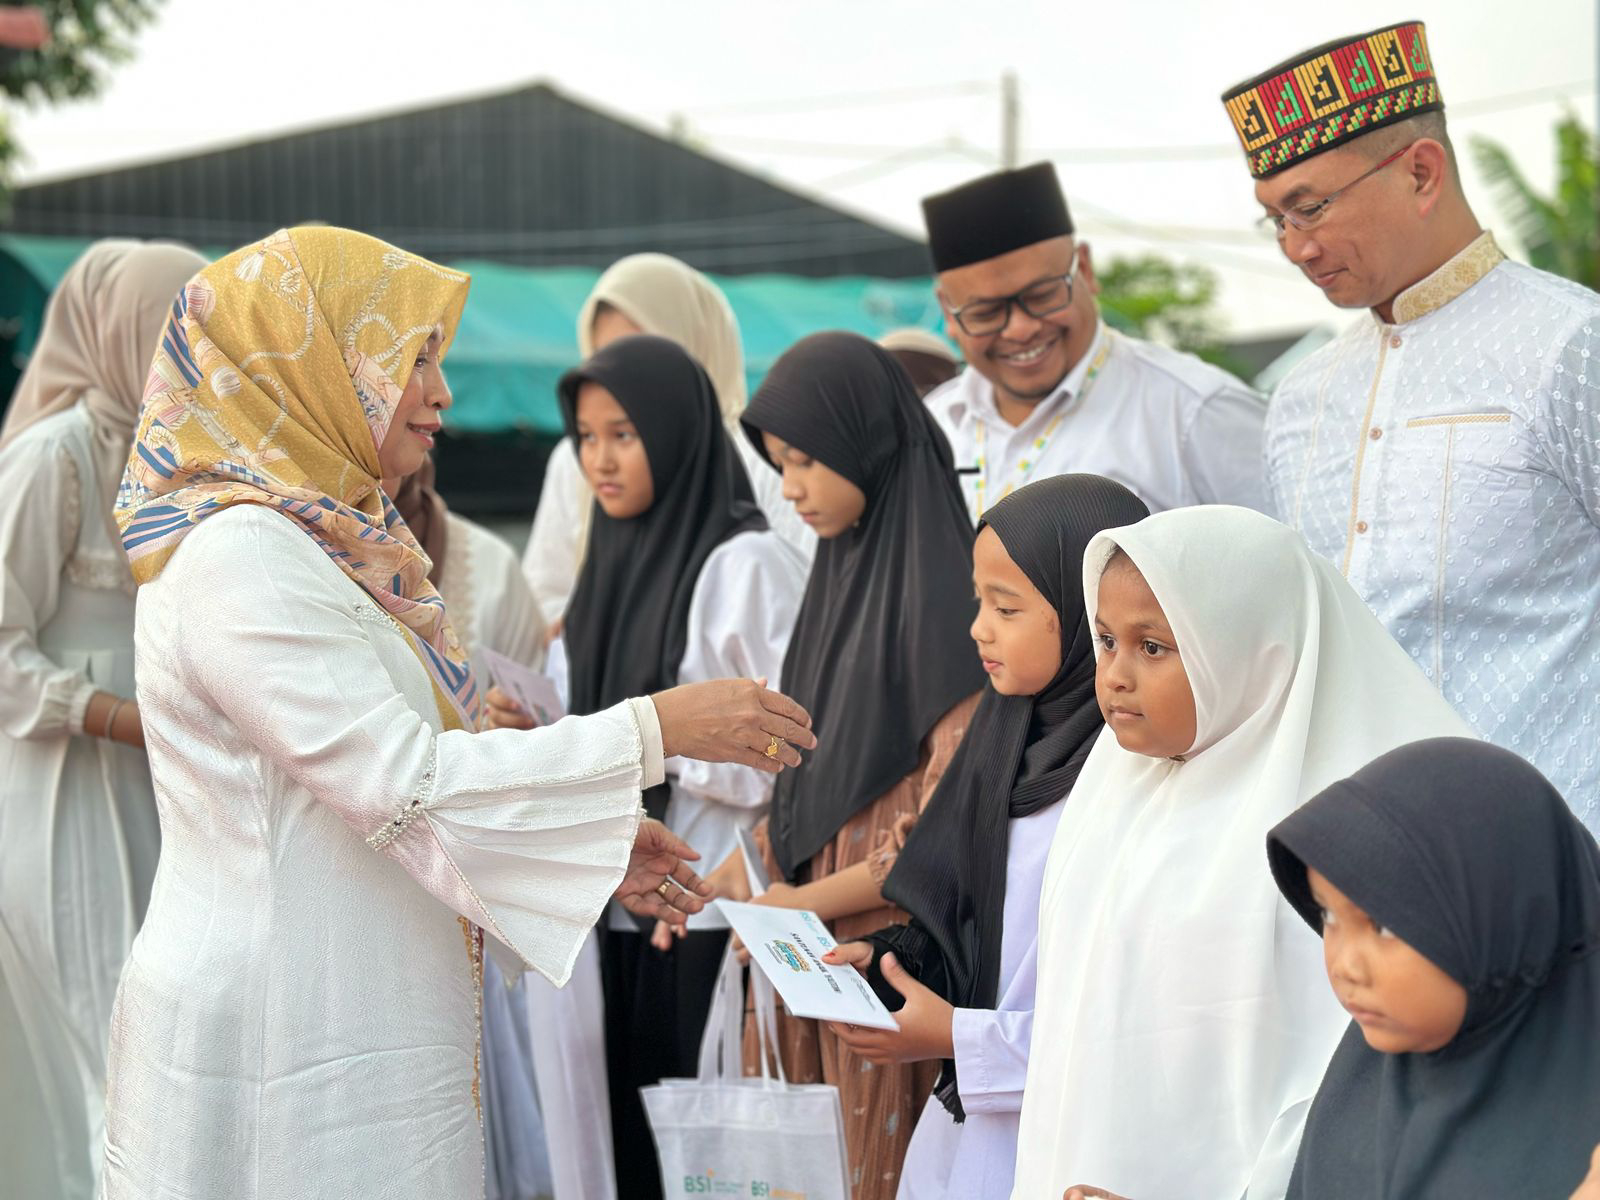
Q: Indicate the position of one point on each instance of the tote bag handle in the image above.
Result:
(722, 1046)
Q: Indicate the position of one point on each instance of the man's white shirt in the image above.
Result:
(1172, 429)
(1450, 464)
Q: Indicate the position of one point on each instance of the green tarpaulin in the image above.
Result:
(518, 334)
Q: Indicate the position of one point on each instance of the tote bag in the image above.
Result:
(724, 1135)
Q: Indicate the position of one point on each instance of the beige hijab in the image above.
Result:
(671, 299)
(99, 336)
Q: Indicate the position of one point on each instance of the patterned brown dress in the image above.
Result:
(880, 1104)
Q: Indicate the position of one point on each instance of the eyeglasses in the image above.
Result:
(984, 317)
(1304, 216)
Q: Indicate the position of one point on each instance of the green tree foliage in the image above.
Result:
(1175, 303)
(1560, 232)
(86, 37)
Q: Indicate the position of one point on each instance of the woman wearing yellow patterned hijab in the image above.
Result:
(277, 382)
(339, 847)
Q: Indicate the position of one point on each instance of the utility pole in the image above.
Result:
(1010, 118)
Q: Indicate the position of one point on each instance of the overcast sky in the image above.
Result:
(1123, 95)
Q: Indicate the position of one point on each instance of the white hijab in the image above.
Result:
(1184, 1018)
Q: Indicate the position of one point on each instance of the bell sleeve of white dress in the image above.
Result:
(550, 560)
(740, 619)
(525, 833)
(39, 502)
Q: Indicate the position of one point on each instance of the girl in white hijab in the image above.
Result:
(647, 293)
(1183, 1021)
(78, 830)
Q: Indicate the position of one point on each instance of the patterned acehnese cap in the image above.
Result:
(1331, 95)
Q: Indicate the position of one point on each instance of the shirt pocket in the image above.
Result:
(1461, 463)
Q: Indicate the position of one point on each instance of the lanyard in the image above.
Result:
(1026, 465)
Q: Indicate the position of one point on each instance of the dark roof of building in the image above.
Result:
(529, 176)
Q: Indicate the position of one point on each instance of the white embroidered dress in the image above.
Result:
(1449, 464)
(298, 1015)
(79, 837)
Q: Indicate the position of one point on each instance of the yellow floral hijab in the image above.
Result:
(275, 381)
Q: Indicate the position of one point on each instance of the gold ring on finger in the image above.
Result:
(664, 889)
(772, 746)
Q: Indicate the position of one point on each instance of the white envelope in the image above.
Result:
(788, 945)
(533, 691)
(755, 871)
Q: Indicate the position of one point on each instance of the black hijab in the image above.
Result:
(626, 625)
(1474, 860)
(881, 648)
(1021, 755)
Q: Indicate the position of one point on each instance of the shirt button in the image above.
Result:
(1376, 434)
(1361, 526)
(1395, 341)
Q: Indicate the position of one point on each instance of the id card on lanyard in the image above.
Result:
(1023, 470)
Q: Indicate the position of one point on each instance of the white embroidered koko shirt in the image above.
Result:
(1450, 465)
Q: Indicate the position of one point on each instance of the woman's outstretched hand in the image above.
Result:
(657, 859)
(733, 720)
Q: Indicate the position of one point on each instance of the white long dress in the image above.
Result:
(298, 1015)
(555, 544)
(741, 616)
(491, 607)
(79, 837)
(977, 1156)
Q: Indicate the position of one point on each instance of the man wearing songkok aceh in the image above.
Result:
(1048, 388)
(1445, 450)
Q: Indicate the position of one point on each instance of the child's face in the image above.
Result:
(1139, 679)
(825, 499)
(1017, 631)
(1403, 1003)
(612, 455)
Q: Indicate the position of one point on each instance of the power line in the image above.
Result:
(1511, 100)
(806, 148)
(1091, 154)
(848, 99)
(890, 163)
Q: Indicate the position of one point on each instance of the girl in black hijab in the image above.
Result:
(880, 658)
(971, 869)
(683, 581)
(1459, 903)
